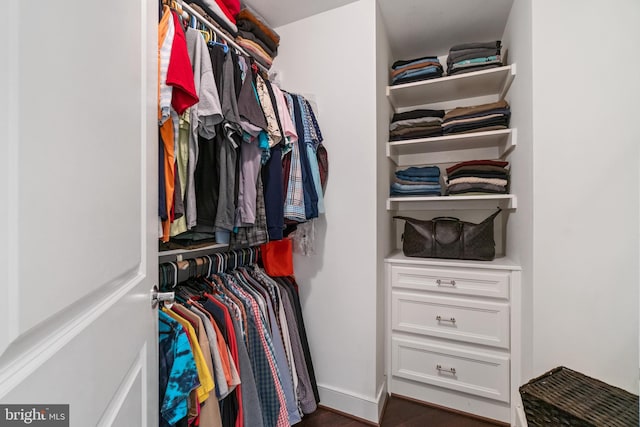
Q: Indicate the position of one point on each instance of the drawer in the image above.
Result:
(472, 321)
(458, 368)
(456, 282)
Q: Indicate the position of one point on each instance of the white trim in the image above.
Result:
(12, 168)
(352, 403)
(33, 355)
(144, 143)
(383, 395)
(137, 370)
(520, 416)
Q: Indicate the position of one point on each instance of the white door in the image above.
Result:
(78, 192)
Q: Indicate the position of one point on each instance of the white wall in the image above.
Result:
(385, 237)
(332, 56)
(586, 139)
(519, 236)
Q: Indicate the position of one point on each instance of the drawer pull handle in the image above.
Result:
(444, 282)
(442, 319)
(447, 371)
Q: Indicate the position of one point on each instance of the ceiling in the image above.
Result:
(281, 12)
(415, 27)
(430, 27)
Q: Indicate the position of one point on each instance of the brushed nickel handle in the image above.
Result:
(157, 297)
(441, 282)
(446, 371)
(442, 319)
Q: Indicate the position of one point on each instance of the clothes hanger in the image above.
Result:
(206, 35)
(215, 42)
(168, 270)
(210, 264)
(219, 263)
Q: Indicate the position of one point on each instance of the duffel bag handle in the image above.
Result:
(446, 218)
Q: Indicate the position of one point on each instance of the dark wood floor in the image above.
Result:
(399, 413)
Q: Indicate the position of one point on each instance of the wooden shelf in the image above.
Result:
(484, 201)
(494, 81)
(495, 144)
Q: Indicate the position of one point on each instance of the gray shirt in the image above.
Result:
(205, 115)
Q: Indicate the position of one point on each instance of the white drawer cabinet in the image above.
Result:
(460, 319)
(453, 333)
(473, 371)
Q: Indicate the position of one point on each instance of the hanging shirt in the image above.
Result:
(182, 373)
(250, 156)
(312, 145)
(166, 33)
(249, 409)
(273, 130)
(279, 355)
(180, 72)
(182, 163)
(288, 128)
(209, 409)
(310, 195)
(205, 115)
(261, 356)
(294, 204)
(204, 375)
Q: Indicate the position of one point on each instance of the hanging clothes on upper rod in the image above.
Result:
(241, 162)
(220, 33)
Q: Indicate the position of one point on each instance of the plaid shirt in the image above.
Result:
(294, 200)
(311, 139)
(261, 349)
(256, 234)
(314, 121)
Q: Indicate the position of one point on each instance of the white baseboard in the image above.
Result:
(355, 404)
(520, 416)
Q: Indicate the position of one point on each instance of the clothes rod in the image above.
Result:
(213, 28)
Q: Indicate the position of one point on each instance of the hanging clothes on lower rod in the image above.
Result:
(233, 347)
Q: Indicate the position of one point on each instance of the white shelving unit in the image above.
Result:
(469, 85)
(496, 144)
(453, 325)
(489, 201)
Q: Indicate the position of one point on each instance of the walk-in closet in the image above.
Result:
(151, 188)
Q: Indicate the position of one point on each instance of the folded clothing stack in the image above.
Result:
(257, 37)
(417, 181)
(221, 12)
(416, 124)
(467, 57)
(485, 117)
(478, 176)
(413, 70)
